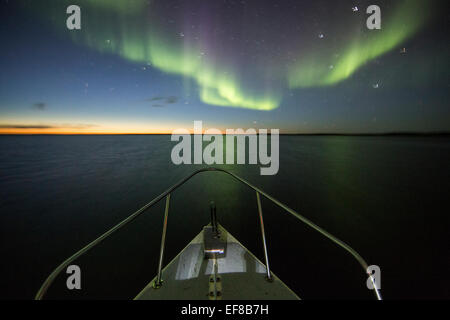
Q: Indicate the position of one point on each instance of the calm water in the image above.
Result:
(388, 197)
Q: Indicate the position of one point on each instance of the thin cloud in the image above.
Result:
(20, 126)
(39, 106)
(45, 126)
(172, 100)
(155, 99)
(162, 101)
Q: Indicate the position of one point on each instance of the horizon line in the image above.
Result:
(388, 133)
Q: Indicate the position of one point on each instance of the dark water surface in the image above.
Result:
(388, 197)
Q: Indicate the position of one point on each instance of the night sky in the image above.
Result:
(139, 66)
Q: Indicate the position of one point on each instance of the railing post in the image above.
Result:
(213, 217)
(375, 288)
(158, 282)
(258, 200)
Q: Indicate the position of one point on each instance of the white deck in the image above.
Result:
(242, 276)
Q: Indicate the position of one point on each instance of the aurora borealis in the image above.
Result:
(199, 56)
(298, 65)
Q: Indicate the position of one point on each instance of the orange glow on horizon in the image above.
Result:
(90, 131)
(105, 128)
(64, 131)
(110, 128)
(8, 131)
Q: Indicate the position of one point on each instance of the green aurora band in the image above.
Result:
(315, 70)
(140, 42)
(123, 28)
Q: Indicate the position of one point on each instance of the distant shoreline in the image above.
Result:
(387, 134)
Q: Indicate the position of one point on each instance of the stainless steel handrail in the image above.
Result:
(43, 289)
(158, 281)
(261, 223)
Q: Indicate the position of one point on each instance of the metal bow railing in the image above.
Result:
(43, 289)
